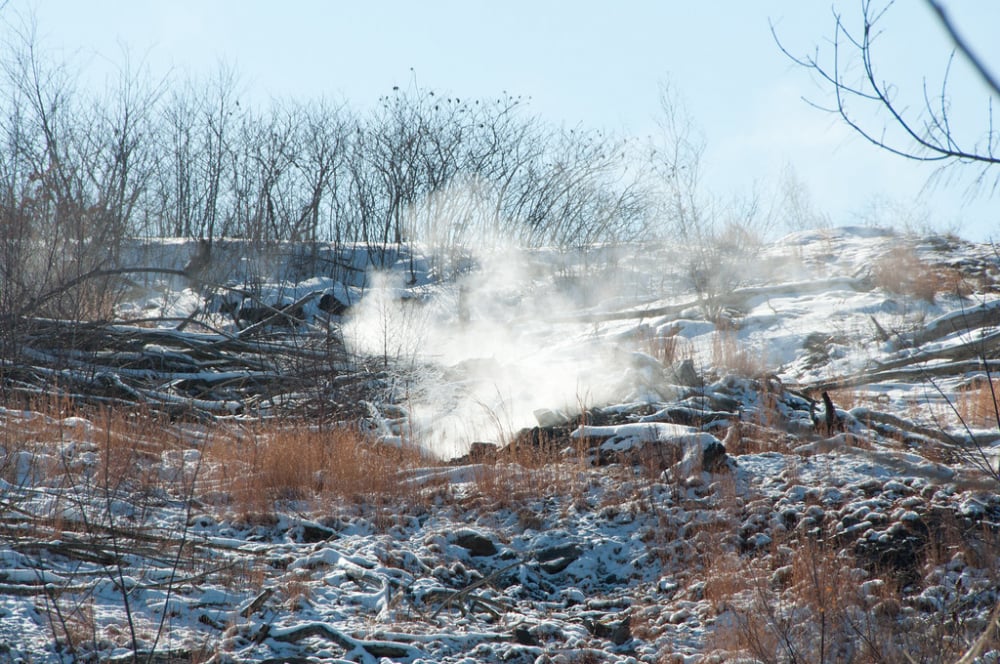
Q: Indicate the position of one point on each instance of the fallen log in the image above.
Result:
(906, 375)
(734, 298)
(351, 645)
(966, 320)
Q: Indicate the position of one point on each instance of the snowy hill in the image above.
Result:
(631, 453)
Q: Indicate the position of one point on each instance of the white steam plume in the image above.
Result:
(482, 354)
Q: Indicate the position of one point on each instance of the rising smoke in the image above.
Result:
(480, 356)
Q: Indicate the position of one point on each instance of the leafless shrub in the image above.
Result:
(902, 272)
(73, 173)
(719, 237)
(102, 467)
(913, 124)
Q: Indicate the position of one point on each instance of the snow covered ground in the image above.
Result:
(631, 459)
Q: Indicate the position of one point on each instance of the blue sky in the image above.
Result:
(595, 64)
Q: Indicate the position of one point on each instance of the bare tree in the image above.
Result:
(75, 171)
(81, 173)
(321, 150)
(925, 133)
(717, 237)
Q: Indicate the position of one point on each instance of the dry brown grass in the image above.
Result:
(251, 466)
(131, 446)
(51, 438)
(902, 272)
(296, 591)
(846, 397)
(817, 581)
(978, 404)
(262, 464)
(815, 601)
(249, 469)
(666, 346)
(730, 354)
(726, 577)
(78, 628)
(768, 413)
(526, 472)
(976, 545)
(763, 428)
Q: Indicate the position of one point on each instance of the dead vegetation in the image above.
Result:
(265, 464)
(979, 403)
(812, 599)
(802, 594)
(902, 271)
(178, 372)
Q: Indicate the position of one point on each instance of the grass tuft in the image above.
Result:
(265, 464)
(979, 404)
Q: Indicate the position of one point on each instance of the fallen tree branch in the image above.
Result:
(914, 374)
(489, 605)
(354, 647)
(99, 273)
(965, 321)
(734, 298)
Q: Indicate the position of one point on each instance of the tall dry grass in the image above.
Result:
(814, 600)
(667, 346)
(979, 404)
(260, 465)
(903, 272)
(249, 467)
(49, 439)
(728, 353)
(527, 470)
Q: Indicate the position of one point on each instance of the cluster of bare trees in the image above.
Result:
(73, 174)
(192, 161)
(81, 172)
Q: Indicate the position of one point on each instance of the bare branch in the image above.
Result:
(963, 46)
(931, 140)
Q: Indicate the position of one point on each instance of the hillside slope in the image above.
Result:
(785, 453)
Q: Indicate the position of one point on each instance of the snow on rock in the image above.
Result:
(691, 449)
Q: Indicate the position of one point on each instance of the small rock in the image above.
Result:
(555, 559)
(957, 562)
(313, 533)
(480, 451)
(927, 603)
(475, 542)
(524, 636)
(618, 632)
(895, 486)
(714, 457)
(781, 576)
(679, 616)
(686, 375)
(550, 418)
